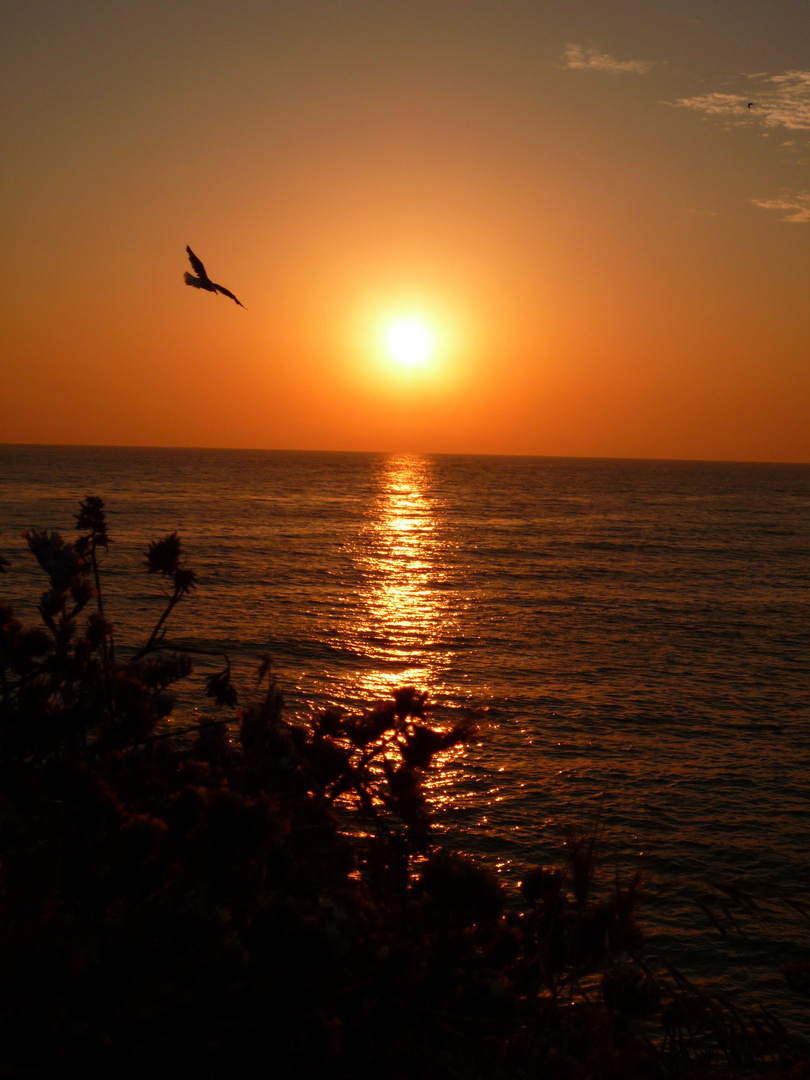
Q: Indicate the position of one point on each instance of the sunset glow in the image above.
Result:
(622, 240)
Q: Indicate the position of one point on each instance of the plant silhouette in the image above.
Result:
(269, 897)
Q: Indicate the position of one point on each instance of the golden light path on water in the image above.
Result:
(401, 554)
(413, 607)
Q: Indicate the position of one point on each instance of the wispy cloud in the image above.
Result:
(796, 208)
(716, 104)
(776, 101)
(588, 57)
(769, 103)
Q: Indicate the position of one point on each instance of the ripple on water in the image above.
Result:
(631, 636)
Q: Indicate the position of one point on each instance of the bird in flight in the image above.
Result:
(203, 281)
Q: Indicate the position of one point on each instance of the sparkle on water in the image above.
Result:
(630, 639)
(401, 550)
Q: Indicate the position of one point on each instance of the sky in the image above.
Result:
(605, 248)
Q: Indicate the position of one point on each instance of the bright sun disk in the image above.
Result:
(409, 342)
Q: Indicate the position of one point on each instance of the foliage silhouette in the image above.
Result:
(270, 899)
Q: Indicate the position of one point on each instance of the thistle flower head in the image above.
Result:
(91, 519)
(52, 603)
(98, 629)
(184, 581)
(163, 556)
(60, 560)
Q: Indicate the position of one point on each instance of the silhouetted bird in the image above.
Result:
(203, 281)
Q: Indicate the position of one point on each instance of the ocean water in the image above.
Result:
(632, 639)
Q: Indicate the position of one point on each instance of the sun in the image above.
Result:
(410, 342)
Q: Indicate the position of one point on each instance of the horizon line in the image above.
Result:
(411, 453)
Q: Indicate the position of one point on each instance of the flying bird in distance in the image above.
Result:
(203, 281)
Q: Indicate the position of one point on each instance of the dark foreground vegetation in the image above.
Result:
(267, 898)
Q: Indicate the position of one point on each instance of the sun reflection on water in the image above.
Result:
(406, 615)
(409, 622)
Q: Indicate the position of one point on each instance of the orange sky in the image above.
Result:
(609, 246)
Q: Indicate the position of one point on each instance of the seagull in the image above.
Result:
(203, 281)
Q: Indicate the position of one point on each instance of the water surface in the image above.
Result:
(632, 639)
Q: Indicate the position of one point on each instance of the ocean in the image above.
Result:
(631, 638)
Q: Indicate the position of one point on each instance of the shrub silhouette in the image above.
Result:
(269, 899)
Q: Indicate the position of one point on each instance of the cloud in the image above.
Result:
(790, 100)
(586, 56)
(777, 101)
(770, 102)
(715, 104)
(796, 207)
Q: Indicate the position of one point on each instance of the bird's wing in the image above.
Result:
(195, 262)
(219, 288)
